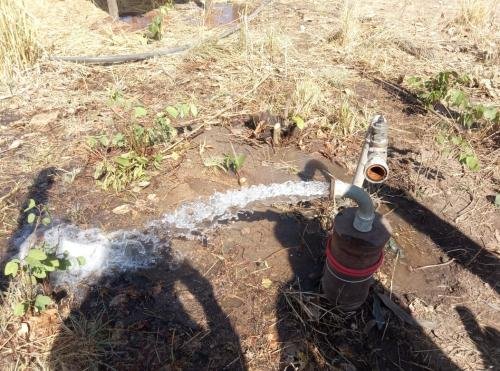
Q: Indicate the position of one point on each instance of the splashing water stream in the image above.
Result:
(133, 249)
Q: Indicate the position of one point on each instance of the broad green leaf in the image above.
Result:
(11, 269)
(31, 205)
(37, 254)
(472, 163)
(414, 81)
(122, 160)
(31, 218)
(20, 309)
(92, 142)
(139, 112)
(239, 160)
(52, 262)
(457, 98)
(299, 121)
(40, 273)
(118, 140)
(497, 200)
(81, 260)
(184, 110)
(33, 280)
(41, 302)
(172, 111)
(65, 264)
(104, 140)
(46, 221)
(440, 139)
(456, 140)
(489, 113)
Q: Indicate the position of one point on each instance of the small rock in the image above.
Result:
(152, 197)
(122, 209)
(23, 330)
(15, 144)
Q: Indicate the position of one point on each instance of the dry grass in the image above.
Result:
(350, 29)
(475, 13)
(19, 45)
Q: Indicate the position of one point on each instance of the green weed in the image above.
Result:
(155, 28)
(446, 88)
(459, 148)
(134, 150)
(125, 169)
(234, 162)
(36, 267)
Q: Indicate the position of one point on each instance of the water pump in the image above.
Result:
(354, 250)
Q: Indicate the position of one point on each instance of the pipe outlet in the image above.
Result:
(365, 213)
(376, 169)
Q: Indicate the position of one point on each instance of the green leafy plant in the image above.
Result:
(445, 88)
(140, 141)
(155, 28)
(37, 214)
(124, 169)
(140, 111)
(182, 110)
(233, 162)
(32, 270)
(461, 149)
(299, 121)
(36, 265)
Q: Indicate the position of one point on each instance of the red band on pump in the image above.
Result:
(334, 263)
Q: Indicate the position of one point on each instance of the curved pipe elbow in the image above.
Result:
(365, 214)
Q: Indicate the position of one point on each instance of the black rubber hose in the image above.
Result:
(125, 58)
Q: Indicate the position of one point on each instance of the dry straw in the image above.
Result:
(19, 46)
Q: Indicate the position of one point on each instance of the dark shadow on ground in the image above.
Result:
(487, 339)
(451, 241)
(139, 320)
(326, 338)
(39, 192)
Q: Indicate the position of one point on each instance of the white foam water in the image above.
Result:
(223, 205)
(124, 250)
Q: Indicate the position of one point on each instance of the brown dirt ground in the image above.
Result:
(213, 310)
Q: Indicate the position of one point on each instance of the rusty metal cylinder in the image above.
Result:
(351, 259)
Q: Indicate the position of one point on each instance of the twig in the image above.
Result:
(435, 265)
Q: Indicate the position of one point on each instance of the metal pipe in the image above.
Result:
(376, 169)
(365, 213)
(372, 164)
(359, 176)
